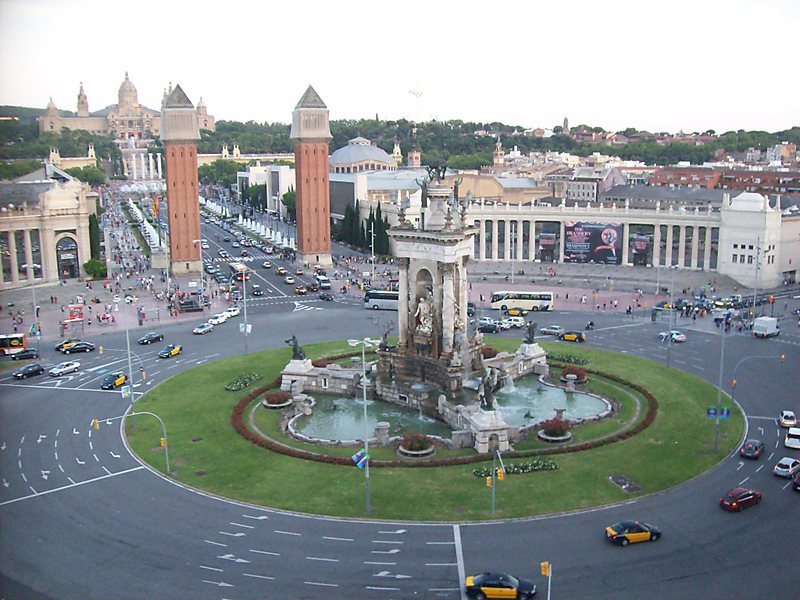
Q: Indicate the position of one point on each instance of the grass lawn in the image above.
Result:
(206, 452)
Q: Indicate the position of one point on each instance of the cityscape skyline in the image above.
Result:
(531, 70)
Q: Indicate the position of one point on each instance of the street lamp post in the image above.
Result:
(781, 357)
(365, 343)
(202, 274)
(719, 389)
(671, 311)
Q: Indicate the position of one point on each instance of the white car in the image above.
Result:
(116, 299)
(787, 467)
(555, 330)
(203, 328)
(515, 321)
(131, 299)
(505, 324)
(675, 335)
(233, 311)
(787, 418)
(218, 319)
(486, 321)
(70, 366)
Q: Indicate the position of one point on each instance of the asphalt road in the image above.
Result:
(81, 518)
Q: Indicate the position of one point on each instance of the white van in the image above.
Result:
(792, 439)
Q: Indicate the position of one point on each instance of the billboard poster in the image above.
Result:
(640, 244)
(547, 240)
(591, 242)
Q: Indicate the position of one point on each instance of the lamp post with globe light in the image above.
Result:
(365, 343)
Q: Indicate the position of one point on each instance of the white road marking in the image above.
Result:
(211, 568)
(79, 461)
(443, 589)
(441, 564)
(741, 464)
(45, 474)
(319, 558)
(111, 452)
(771, 455)
(237, 534)
(759, 468)
(95, 458)
(241, 525)
(65, 487)
(25, 479)
(60, 467)
(743, 480)
(392, 551)
(258, 576)
(233, 558)
(41, 437)
(287, 532)
(34, 491)
(386, 542)
(441, 543)
(399, 531)
(91, 447)
(788, 483)
(321, 584)
(216, 543)
(386, 564)
(265, 552)
(218, 583)
(258, 518)
(459, 557)
(106, 470)
(72, 481)
(337, 539)
(382, 589)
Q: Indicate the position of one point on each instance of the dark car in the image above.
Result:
(632, 532)
(25, 354)
(498, 585)
(796, 482)
(313, 287)
(470, 309)
(326, 296)
(28, 371)
(739, 498)
(752, 449)
(149, 338)
(66, 344)
(573, 336)
(79, 347)
(257, 291)
(113, 381)
(489, 328)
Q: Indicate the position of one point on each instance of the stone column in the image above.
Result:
(562, 230)
(532, 241)
(520, 238)
(668, 257)
(403, 301)
(448, 307)
(695, 242)
(150, 168)
(12, 249)
(29, 255)
(158, 164)
(656, 244)
(507, 240)
(494, 238)
(482, 238)
(626, 240)
(143, 165)
(707, 250)
(682, 246)
(133, 167)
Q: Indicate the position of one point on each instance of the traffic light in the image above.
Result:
(489, 481)
(545, 568)
(771, 299)
(163, 442)
(501, 474)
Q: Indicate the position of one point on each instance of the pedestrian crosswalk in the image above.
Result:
(301, 306)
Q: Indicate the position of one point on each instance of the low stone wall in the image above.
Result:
(302, 376)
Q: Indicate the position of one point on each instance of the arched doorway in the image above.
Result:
(67, 258)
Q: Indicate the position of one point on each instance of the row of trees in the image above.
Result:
(357, 233)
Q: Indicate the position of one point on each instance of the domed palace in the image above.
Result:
(124, 120)
(361, 154)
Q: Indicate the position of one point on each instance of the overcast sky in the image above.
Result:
(661, 66)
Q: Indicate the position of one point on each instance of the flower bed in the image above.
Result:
(416, 445)
(242, 382)
(579, 372)
(276, 399)
(540, 464)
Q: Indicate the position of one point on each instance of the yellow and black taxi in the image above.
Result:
(573, 336)
(66, 344)
(301, 290)
(631, 532)
(113, 380)
(280, 271)
(498, 585)
(516, 312)
(170, 351)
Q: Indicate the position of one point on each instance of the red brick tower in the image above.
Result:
(311, 134)
(180, 133)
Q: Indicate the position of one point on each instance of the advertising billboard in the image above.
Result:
(591, 242)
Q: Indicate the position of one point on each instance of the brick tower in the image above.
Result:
(179, 133)
(311, 134)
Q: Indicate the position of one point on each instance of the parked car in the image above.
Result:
(632, 532)
(113, 381)
(555, 330)
(498, 585)
(489, 327)
(752, 449)
(70, 366)
(504, 324)
(515, 322)
(79, 347)
(203, 328)
(739, 498)
(218, 319)
(516, 312)
(787, 467)
(28, 371)
(573, 336)
(470, 309)
(66, 343)
(787, 418)
(25, 354)
(792, 439)
(149, 338)
(674, 335)
(170, 351)
(486, 321)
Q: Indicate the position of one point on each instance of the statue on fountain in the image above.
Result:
(297, 350)
(424, 315)
(530, 336)
(486, 389)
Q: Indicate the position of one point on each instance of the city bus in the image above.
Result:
(533, 301)
(239, 271)
(12, 343)
(381, 300)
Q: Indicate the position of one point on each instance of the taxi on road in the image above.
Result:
(573, 336)
(170, 351)
(632, 532)
(113, 381)
(498, 585)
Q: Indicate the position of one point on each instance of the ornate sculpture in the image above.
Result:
(424, 315)
(387, 329)
(530, 335)
(297, 350)
(486, 389)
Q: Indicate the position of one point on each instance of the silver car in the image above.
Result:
(555, 330)
(70, 366)
(787, 467)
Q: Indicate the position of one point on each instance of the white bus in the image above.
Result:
(239, 271)
(534, 301)
(381, 300)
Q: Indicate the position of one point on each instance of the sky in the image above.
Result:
(650, 64)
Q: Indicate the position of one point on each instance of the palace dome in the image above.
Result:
(361, 150)
(128, 96)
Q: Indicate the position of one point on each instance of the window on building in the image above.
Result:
(749, 259)
(736, 246)
(733, 258)
(750, 247)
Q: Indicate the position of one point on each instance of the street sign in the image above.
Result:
(725, 413)
(711, 411)
(126, 391)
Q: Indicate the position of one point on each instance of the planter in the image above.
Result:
(577, 381)
(266, 404)
(416, 453)
(554, 439)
